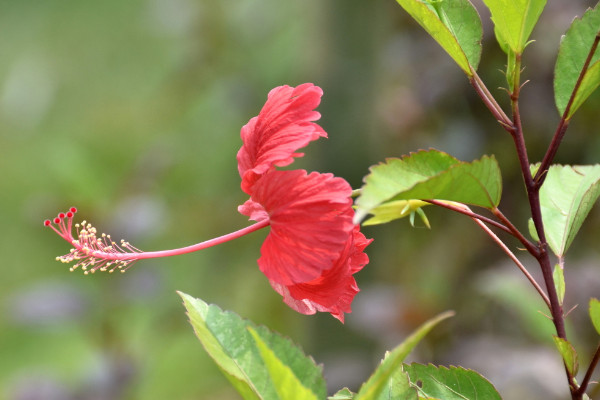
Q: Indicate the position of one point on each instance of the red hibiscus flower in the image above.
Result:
(313, 248)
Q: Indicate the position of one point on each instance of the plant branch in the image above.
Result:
(533, 195)
(542, 255)
(511, 229)
(540, 175)
(518, 138)
(588, 373)
(536, 213)
(515, 260)
(504, 225)
(467, 211)
(531, 248)
(490, 101)
(564, 121)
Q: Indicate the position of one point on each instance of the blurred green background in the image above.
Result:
(131, 111)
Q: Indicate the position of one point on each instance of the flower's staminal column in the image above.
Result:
(93, 253)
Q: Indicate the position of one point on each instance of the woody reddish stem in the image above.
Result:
(532, 189)
(543, 256)
(515, 129)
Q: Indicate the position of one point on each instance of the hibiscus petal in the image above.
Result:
(253, 210)
(281, 128)
(334, 291)
(311, 221)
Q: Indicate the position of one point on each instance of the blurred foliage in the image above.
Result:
(131, 110)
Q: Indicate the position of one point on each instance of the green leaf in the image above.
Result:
(389, 381)
(227, 339)
(343, 394)
(595, 313)
(454, 383)
(398, 387)
(574, 49)
(559, 282)
(428, 175)
(566, 198)
(590, 82)
(287, 385)
(454, 24)
(393, 210)
(514, 21)
(568, 353)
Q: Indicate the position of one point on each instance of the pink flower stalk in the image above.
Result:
(313, 248)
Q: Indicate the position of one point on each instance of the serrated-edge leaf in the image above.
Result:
(463, 21)
(431, 22)
(595, 313)
(287, 385)
(514, 21)
(428, 175)
(559, 282)
(197, 312)
(226, 338)
(566, 197)
(372, 388)
(574, 49)
(568, 354)
(398, 387)
(450, 383)
(482, 174)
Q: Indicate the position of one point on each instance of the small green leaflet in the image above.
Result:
(260, 364)
(514, 21)
(566, 198)
(388, 381)
(595, 313)
(574, 49)
(454, 383)
(559, 282)
(343, 394)
(568, 353)
(428, 175)
(398, 209)
(454, 24)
